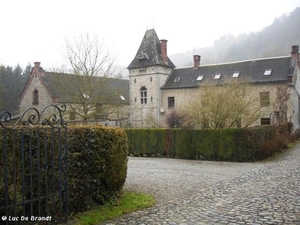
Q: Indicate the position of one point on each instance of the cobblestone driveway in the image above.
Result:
(259, 193)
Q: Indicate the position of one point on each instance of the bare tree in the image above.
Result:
(230, 103)
(87, 81)
(280, 105)
(175, 119)
(152, 121)
(281, 100)
(89, 57)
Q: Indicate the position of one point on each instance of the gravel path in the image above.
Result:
(205, 193)
(169, 179)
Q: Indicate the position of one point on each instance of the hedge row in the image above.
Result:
(97, 167)
(238, 145)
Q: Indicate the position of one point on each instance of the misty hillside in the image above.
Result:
(273, 40)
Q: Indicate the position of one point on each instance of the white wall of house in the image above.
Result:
(184, 96)
(43, 96)
(295, 97)
(152, 78)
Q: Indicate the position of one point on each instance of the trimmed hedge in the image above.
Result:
(234, 144)
(97, 166)
(23, 150)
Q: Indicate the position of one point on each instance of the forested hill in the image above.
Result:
(273, 40)
(12, 82)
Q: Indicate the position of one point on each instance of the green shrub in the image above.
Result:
(184, 144)
(97, 165)
(233, 144)
(149, 142)
(26, 167)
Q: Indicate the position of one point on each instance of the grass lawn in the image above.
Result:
(128, 202)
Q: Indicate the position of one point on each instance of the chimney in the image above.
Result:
(197, 59)
(163, 48)
(37, 70)
(37, 64)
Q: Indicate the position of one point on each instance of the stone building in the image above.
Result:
(95, 99)
(158, 87)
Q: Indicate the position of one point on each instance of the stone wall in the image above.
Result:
(44, 97)
(152, 78)
(184, 97)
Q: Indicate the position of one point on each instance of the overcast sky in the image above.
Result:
(35, 30)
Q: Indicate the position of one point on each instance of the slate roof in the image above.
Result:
(62, 85)
(254, 69)
(150, 50)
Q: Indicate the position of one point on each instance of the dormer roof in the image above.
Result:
(274, 69)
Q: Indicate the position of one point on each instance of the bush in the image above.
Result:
(232, 144)
(149, 142)
(26, 165)
(97, 165)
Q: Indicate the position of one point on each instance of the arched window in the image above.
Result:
(143, 92)
(35, 97)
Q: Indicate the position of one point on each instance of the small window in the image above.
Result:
(265, 121)
(35, 97)
(217, 76)
(236, 74)
(177, 79)
(171, 102)
(268, 72)
(72, 116)
(150, 79)
(143, 92)
(264, 98)
(200, 77)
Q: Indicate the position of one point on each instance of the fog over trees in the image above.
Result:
(273, 40)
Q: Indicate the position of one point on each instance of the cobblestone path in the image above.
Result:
(268, 195)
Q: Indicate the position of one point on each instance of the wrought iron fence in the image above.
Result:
(33, 167)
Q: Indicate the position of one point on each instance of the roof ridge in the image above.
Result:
(240, 61)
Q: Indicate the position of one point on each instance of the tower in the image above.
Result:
(148, 71)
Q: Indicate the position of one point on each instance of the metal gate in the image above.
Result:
(33, 167)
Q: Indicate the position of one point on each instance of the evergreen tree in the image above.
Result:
(12, 82)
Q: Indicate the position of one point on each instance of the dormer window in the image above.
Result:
(177, 79)
(217, 76)
(236, 74)
(142, 57)
(268, 72)
(200, 77)
(142, 63)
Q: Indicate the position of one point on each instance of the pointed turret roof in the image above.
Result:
(150, 51)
